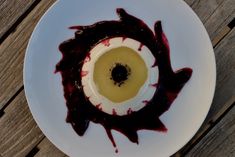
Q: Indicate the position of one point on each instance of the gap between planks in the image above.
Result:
(46, 148)
(19, 132)
(10, 100)
(223, 33)
(18, 20)
(12, 52)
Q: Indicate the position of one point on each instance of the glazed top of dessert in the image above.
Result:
(119, 74)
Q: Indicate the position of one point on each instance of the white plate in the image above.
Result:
(190, 47)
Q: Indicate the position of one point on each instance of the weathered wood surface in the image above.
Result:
(47, 149)
(205, 9)
(12, 52)
(215, 14)
(11, 11)
(220, 19)
(19, 133)
(190, 2)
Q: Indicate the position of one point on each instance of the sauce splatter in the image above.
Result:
(80, 109)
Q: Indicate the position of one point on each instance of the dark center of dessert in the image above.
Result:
(120, 73)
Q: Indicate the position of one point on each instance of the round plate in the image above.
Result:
(190, 47)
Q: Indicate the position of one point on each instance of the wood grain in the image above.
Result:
(11, 11)
(216, 15)
(205, 8)
(225, 59)
(220, 141)
(190, 2)
(221, 35)
(19, 133)
(225, 91)
(47, 149)
(219, 20)
(12, 52)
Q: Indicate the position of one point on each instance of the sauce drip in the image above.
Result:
(80, 109)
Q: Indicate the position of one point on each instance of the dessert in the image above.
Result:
(119, 77)
(77, 53)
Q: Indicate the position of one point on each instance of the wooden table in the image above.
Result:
(20, 135)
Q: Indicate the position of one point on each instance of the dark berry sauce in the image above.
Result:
(75, 52)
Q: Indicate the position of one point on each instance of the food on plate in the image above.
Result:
(111, 77)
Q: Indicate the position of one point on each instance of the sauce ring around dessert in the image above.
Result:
(119, 76)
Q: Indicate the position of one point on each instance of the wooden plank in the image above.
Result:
(220, 35)
(225, 91)
(220, 141)
(219, 20)
(190, 2)
(11, 10)
(19, 132)
(225, 59)
(215, 14)
(47, 149)
(12, 52)
(205, 8)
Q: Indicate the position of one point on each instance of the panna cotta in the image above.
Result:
(119, 75)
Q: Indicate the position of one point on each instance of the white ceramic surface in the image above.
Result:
(190, 47)
(145, 93)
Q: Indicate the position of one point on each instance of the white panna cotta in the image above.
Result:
(119, 76)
